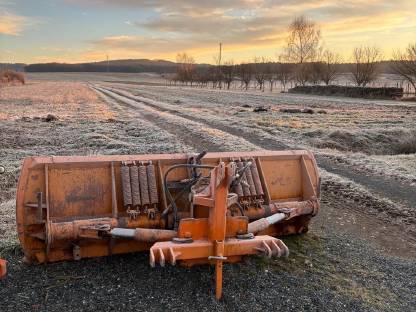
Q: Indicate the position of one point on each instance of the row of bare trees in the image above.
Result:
(303, 61)
(228, 74)
(314, 64)
(263, 72)
(404, 64)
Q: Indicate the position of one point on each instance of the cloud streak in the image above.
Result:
(12, 24)
(247, 28)
(189, 25)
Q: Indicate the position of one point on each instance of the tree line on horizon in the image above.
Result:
(304, 61)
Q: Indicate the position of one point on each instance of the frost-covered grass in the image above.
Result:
(215, 136)
(86, 126)
(8, 233)
(63, 99)
(399, 167)
(93, 123)
(354, 129)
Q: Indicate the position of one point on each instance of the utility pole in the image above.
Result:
(108, 65)
(219, 67)
(219, 60)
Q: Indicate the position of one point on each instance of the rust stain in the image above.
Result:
(282, 181)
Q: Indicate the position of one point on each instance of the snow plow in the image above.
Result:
(183, 209)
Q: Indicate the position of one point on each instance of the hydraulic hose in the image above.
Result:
(169, 195)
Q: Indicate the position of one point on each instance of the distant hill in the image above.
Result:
(121, 66)
(16, 67)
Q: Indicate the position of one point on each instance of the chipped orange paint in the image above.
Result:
(82, 201)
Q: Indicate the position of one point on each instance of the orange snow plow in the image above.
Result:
(209, 208)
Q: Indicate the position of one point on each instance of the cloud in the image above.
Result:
(12, 24)
(246, 27)
(253, 26)
(138, 43)
(173, 5)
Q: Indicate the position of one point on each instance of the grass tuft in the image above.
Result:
(11, 77)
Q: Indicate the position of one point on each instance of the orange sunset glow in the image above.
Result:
(83, 31)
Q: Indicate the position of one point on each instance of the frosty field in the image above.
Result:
(360, 252)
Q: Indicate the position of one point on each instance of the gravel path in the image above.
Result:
(327, 270)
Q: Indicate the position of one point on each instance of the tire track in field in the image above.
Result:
(195, 134)
(251, 135)
(331, 201)
(384, 186)
(134, 119)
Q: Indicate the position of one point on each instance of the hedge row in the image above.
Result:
(357, 92)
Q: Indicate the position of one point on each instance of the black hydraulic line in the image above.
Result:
(240, 208)
(181, 192)
(169, 195)
(200, 156)
(196, 160)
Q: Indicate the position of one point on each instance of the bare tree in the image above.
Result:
(259, 66)
(364, 69)
(315, 72)
(212, 76)
(203, 78)
(228, 73)
(303, 45)
(284, 71)
(270, 73)
(330, 63)
(186, 68)
(404, 64)
(246, 74)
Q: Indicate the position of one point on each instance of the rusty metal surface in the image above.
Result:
(125, 183)
(238, 189)
(135, 186)
(263, 154)
(151, 179)
(249, 178)
(246, 187)
(256, 179)
(144, 186)
(67, 206)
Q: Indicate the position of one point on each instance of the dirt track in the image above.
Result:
(354, 258)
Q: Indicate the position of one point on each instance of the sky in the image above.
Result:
(37, 31)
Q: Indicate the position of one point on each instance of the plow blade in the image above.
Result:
(187, 209)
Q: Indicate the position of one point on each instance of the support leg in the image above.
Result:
(218, 279)
(219, 256)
